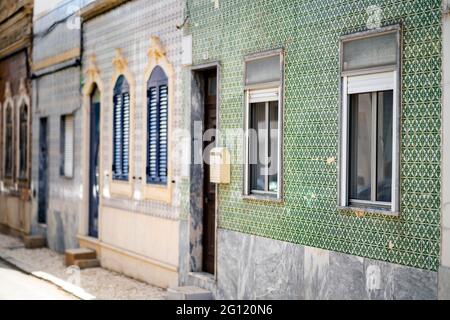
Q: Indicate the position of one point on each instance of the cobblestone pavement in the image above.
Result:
(101, 283)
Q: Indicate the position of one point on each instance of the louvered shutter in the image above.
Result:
(152, 167)
(126, 135)
(157, 140)
(68, 146)
(117, 161)
(163, 132)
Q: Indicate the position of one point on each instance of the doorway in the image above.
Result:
(94, 162)
(209, 189)
(43, 172)
(204, 124)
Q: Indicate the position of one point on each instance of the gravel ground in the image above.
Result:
(101, 283)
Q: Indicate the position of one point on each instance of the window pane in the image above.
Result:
(360, 146)
(263, 70)
(273, 146)
(257, 149)
(371, 52)
(384, 146)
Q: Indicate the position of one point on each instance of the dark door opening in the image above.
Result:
(209, 189)
(43, 172)
(94, 162)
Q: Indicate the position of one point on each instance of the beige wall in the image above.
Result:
(15, 214)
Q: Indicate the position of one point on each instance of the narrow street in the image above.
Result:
(15, 285)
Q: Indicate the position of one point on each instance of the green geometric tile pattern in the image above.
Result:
(309, 31)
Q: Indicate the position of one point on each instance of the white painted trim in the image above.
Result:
(371, 83)
(264, 92)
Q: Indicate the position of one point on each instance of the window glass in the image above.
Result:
(264, 146)
(384, 146)
(360, 146)
(263, 70)
(273, 151)
(371, 131)
(258, 128)
(370, 52)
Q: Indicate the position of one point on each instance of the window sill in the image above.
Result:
(121, 189)
(370, 210)
(263, 198)
(155, 192)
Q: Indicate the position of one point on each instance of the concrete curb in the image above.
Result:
(64, 285)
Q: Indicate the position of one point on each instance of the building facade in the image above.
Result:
(131, 103)
(15, 113)
(341, 197)
(57, 129)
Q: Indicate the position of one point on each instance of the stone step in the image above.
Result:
(87, 263)
(188, 293)
(34, 241)
(73, 255)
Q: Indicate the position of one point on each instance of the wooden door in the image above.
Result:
(209, 189)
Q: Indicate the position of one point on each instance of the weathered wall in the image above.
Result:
(15, 58)
(57, 92)
(309, 32)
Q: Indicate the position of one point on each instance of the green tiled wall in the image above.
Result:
(309, 30)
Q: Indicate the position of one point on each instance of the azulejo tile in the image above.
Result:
(309, 31)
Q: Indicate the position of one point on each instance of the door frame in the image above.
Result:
(196, 256)
(93, 81)
(90, 167)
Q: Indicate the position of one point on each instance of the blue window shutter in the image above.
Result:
(152, 165)
(163, 132)
(126, 136)
(117, 164)
(157, 140)
(121, 127)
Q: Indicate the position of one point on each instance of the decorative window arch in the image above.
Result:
(23, 142)
(122, 101)
(158, 93)
(8, 135)
(23, 133)
(9, 144)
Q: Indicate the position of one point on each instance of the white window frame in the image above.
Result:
(370, 81)
(264, 92)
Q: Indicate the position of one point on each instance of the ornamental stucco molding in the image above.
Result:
(119, 61)
(156, 51)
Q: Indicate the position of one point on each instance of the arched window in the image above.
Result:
(23, 142)
(157, 127)
(8, 160)
(121, 130)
